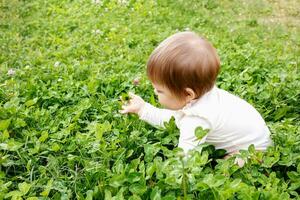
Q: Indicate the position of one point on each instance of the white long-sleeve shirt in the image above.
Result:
(232, 122)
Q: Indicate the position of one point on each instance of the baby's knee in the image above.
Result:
(239, 161)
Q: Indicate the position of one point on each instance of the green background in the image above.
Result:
(62, 137)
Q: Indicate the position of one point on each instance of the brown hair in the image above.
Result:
(184, 60)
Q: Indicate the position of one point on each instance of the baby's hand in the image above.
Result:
(136, 103)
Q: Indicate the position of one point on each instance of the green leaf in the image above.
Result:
(138, 188)
(98, 129)
(117, 180)
(24, 187)
(235, 183)
(129, 153)
(120, 195)
(118, 167)
(89, 195)
(294, 176)
(219, 153)
(155, 194)
(201, 133)
(214, 180)
(11, 145)
(4, 124)
(295, 186)
(5, 135)
(107, 194)
(251, 149)
(14, 194)
(150, 151)
(44, 136)
(268, 162)
(281, 112)
(55, 147)
(134, 197)
(32, 198)
(134, 177)
(31, 102)
(19, 123)
(151, 167)
(169, 196)
(48, 188)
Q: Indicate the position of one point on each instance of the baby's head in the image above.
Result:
(185, 66)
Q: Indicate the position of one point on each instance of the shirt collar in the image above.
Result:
(190, 104)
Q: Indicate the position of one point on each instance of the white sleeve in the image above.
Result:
(187, 126)
(155, 116)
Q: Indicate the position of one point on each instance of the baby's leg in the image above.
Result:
(240, 162)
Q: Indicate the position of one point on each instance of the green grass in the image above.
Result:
(61, 136)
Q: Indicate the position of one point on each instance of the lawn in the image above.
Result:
(65, 63)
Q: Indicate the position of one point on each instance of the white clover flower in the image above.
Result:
(136, 81)
(11, 72)
(97, 31)
(123, 2)
(187, 29)
(97, 2)
(76, 63)
(56, 64)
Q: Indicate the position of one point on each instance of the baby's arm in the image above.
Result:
(187, 126)
(155, 116)
(147, 112)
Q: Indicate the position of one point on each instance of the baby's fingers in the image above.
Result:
(124, 110)
(122, 99)
(132, 95)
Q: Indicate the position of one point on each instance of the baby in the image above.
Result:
(183, 70)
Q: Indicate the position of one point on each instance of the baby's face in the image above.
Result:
(167, 99)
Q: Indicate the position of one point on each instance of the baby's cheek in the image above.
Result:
(160, 99)
(163, 103)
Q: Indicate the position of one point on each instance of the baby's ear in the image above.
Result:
(190, 94)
